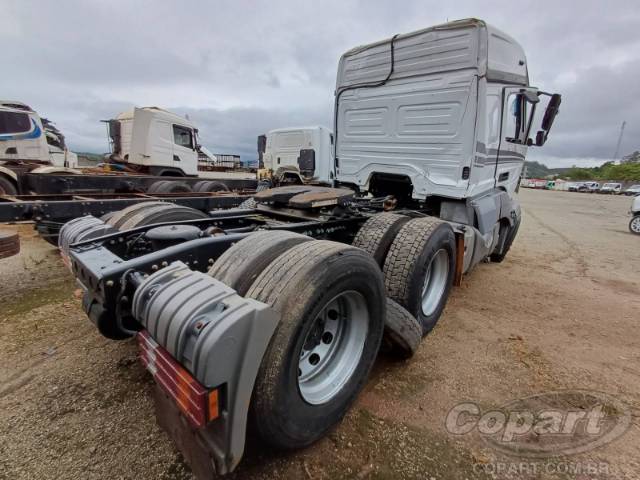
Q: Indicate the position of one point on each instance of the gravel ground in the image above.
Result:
(560, 313)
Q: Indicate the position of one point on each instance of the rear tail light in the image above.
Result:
(198, 404)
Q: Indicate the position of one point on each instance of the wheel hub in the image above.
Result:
(635, 224)
(333, 347)
(435, 281)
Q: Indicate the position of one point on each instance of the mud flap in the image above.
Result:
(220, 338)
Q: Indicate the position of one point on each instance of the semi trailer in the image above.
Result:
(269, 316)
(152, 150)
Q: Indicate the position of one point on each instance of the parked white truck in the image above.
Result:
(277, 312)
(147, 143)
(298, 155)
(24, 135)
(158, 142)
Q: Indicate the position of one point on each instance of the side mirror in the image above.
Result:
(552, 110)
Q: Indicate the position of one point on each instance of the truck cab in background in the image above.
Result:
(158, 142)
(298, 155)
(26, 137)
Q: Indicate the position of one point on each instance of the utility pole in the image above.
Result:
(615, 155)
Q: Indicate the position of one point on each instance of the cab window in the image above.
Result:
(516, 118)
(12, 122)
(182, 136)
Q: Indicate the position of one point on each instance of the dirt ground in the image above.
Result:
(561, 312)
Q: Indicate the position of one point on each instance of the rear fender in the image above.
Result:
(218, 336)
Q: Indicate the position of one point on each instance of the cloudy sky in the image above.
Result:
(240, 68)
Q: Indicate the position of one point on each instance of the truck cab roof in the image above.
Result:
(158, 113)
(457, 45)
(15, 105)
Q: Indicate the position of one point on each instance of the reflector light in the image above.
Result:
(197, 403)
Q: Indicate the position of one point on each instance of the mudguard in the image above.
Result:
(218, 336)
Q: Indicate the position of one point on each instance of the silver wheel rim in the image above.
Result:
(635, 224)
(333, 347)
(435, 281)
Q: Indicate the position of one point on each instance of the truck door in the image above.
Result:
(141, 143)
(516, 120)
(21, 137)
(185, 156)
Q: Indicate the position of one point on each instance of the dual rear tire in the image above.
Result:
(331, 298)
(417, 257)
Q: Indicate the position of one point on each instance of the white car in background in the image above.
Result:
(634, 224)
(632, 190)
(611, 188)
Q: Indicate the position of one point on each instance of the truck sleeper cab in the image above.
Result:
(442, 116)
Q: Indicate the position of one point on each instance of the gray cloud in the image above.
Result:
(239, 69)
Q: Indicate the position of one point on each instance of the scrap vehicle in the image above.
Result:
(270, 316)
(25, 136)
(153, 151)
(634, 223)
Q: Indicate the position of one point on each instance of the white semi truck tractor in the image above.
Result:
(276, 312)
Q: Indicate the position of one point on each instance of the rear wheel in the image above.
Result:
(7, 187)
(420, 267)
(510, 236)
(169, 186)
(332, 304)
(240, 265)
(634, 225)
(377, 234)
(209, 186)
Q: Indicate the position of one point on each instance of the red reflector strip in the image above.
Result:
(186, 391)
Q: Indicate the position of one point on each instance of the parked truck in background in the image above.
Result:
(276, 312)
(148, 146)
(29, 143)
(298, 155)
(154, 141)
(24, 135)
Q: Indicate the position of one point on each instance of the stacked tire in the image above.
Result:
(9, 243)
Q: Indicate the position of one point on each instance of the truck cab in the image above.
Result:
(158, 141)
(443, 112)
(26, 137)
(299, 154)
